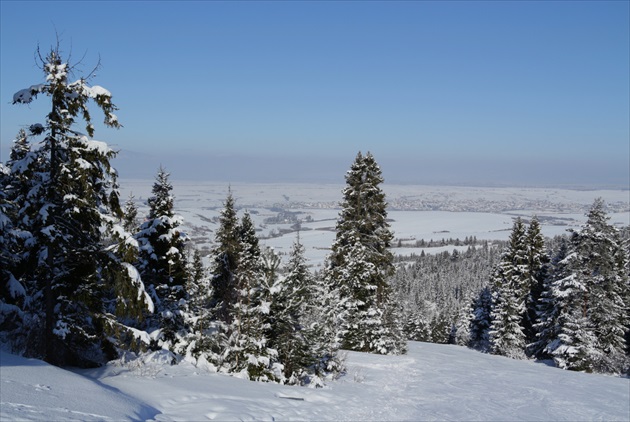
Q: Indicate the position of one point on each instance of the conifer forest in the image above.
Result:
(87, 278)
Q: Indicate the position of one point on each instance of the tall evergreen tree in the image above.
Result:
(593, 312)
(289, 297)
(360, 263)
(71, 206)
(480, 320)
(537, 262)
(238, 301)
(510, 287)
(547, 307)
(162, 262)
(226, 254)
(253, 306)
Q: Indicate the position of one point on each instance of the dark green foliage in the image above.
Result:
(537, 263)
(226, 255)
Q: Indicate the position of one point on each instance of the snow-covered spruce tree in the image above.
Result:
(510, 286)
(198, 316)
(537, 263)
(72, 204)
(481, 320)
(625, 237)
(238, 304)
(15, 184)
(247, 351)
(290, 296)
(12, 292)
(547, 307)
(225, 254)
(198, 289)
(574, 345)
(130, 215)
(604, 266)
(593, 315)
(460, 333)
(321, 321)
(254, 306)
(361, 264)
(162, 262)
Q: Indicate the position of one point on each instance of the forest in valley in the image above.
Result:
(86, 279)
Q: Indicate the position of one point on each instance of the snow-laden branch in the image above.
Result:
(25, 96)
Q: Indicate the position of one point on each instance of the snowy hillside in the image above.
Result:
(432, 382)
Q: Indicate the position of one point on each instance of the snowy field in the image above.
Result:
(416, 212)
(432, 382)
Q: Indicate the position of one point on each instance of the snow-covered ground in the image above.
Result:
(431, 382)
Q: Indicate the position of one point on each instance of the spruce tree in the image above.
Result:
(290, 297)
(547, 307)
(12, 292)
(130, 215)
(238, 301)
(590, 300)
(321, 321)
(574, 344)
(604, 262)
(510, 288)
(71, 207)
(15, 181)
(360, 264)
(537, 262)
(226, 254)
(162, 261)
(253, 306)
(481, 320)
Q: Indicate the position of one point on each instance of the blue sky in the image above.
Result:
(450, 92)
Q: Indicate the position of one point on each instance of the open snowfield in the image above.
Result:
(431, 382)
(416, 212)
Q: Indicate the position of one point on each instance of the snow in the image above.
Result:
(97, 90)
(33, 390)
(136, 280)
(25, 96)
(15, 287)
(432, 382)
(99, 146)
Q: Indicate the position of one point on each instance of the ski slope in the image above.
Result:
(431, 382)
